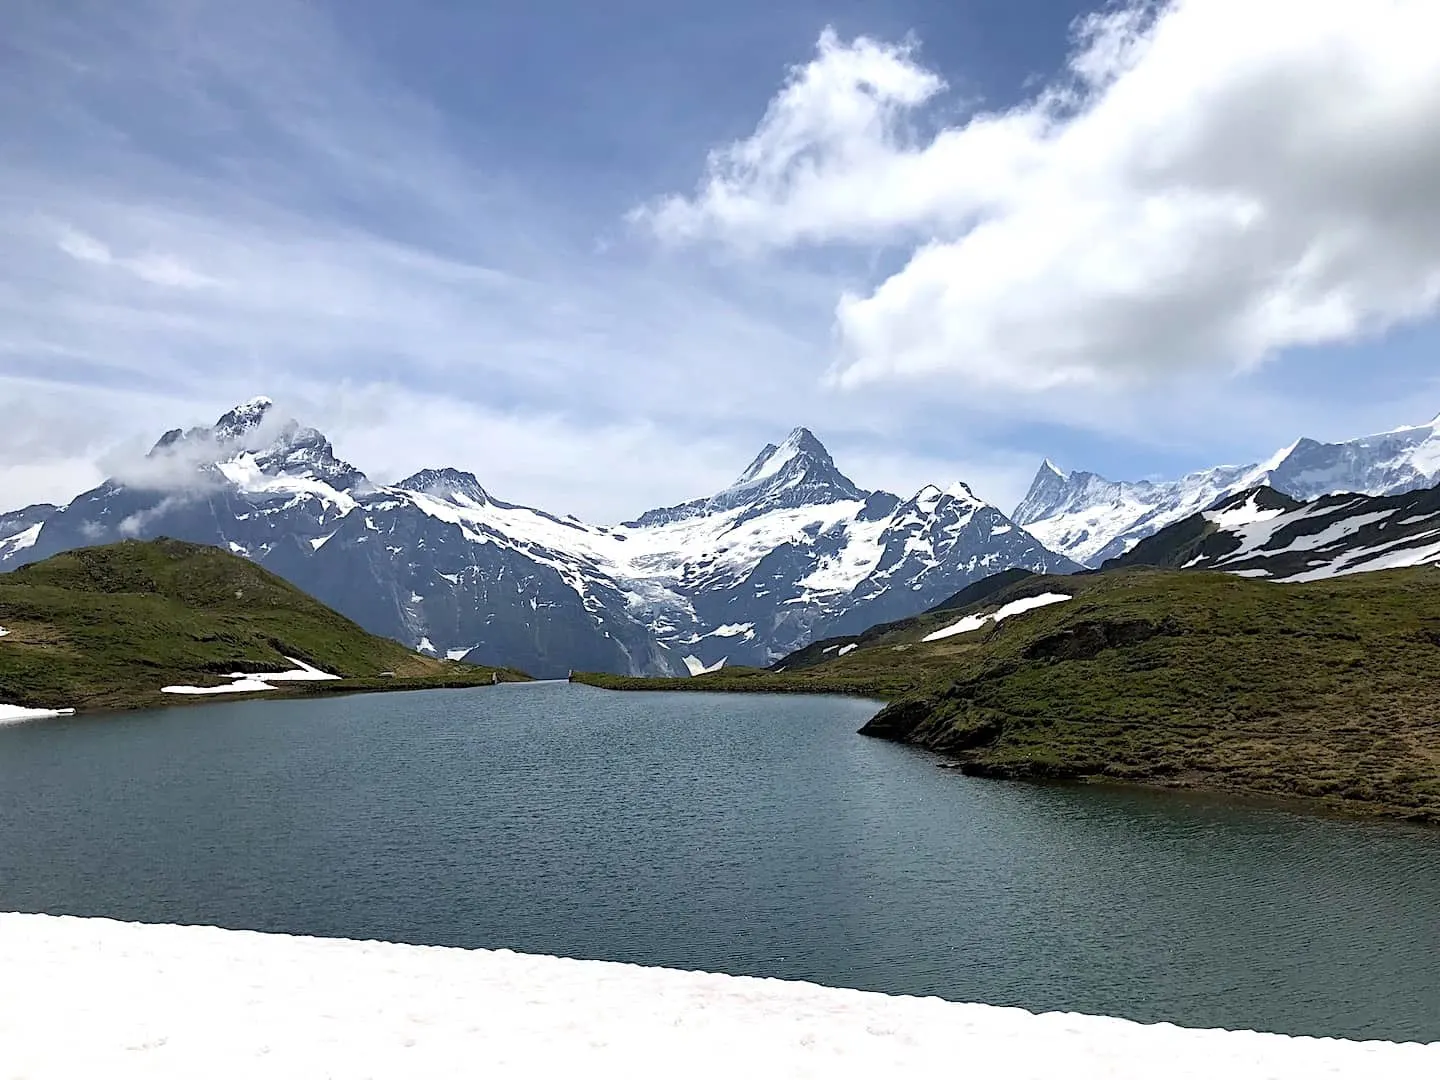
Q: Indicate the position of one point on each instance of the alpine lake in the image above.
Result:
(734, 833)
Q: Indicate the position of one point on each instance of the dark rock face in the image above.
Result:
(1267, 534)
(791, 551)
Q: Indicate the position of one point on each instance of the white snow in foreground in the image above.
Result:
(1015, 607)
(13, 714)
(696, 666)
(246, 683)
(3, 631)
(847, 649)
(91, 997)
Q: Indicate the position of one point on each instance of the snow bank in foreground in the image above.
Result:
(10, 714)
(3, 631)
(244, 683)
(1015, 607)
(91, 997)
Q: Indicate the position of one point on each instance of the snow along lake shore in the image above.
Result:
(94, 997)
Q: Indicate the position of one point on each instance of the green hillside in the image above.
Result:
(1325, 690)
(106, 627)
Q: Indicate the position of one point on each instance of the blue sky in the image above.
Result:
(599, 254)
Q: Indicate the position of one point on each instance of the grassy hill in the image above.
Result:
(106, 627)
(1326, 691)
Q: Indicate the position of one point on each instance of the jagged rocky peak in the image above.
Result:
(451, 485)
(931, 498)
(1051, 489)
(800, 464)
(797, 472)
(800, 449)
(278, 446)
(242, 419)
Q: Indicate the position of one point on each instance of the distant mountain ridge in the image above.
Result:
(1092, 519)
(1263, 533)
(793, 548)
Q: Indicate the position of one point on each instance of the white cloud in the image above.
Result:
(155, 267)
(1209, 183)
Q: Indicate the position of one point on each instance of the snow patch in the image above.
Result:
(697, 666)
(21, 540)
(964, 626)
(847, 649)
(425, 646)
(1015, 607)
(15, 714)
(747, 630)
(1246, 513)
(251, 682)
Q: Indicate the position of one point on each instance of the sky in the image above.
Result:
(600, 254)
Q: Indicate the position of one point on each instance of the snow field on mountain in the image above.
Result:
(245, 473)
(93, 997)
(1370, 559)
(243, 683)
(1084, 516)
(1335, 524)
(1015, 607)
(25, 538)
(1246, 513)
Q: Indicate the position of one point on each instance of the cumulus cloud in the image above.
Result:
(1204, 185)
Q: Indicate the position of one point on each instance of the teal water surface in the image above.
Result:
(742, 834)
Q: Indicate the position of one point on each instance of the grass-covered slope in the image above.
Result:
(106, 627)
(1326, 690)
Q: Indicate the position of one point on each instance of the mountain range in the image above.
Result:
(1264, 533)
(790, 551)
(1091, 519)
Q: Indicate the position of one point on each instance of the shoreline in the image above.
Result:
(965, 761)
(292, 691)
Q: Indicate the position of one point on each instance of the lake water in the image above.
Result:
(750, 835)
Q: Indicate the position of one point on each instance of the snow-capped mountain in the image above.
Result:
(792, 549)
(1092, 519)
(1263, 533)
